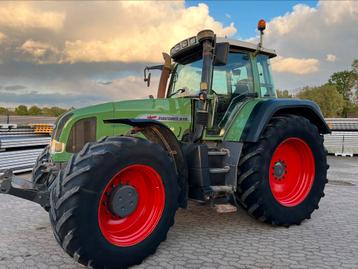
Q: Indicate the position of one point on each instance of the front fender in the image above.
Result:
(159, 133)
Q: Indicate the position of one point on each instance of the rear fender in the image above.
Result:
(263, 111)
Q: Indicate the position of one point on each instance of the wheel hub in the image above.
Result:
(292, 171)
(131, 225)
(123, 200)
(279, 169)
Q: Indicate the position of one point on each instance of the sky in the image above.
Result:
(82, 53)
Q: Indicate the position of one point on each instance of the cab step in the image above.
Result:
(223, 170)
(225, 208)
(222, 188)
(217, 153)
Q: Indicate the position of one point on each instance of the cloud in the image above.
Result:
(68, 51)
(77, 85)
(10, 99)
(67, 95)
(331, 58)
(142, 43)
(14, 87)
(309, 34)
(75, 54)
(101, 31)
(22, 15)
(283, 25)
(2, 37)
(40, 52)
(295, 65)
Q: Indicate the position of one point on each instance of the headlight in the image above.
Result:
(56, 147)
(82, 132)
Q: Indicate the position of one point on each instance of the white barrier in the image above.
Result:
(344, 137)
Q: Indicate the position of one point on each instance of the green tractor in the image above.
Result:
(116, 173)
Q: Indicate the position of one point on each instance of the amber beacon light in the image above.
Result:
(261, 26)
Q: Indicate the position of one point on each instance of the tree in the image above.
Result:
(345, 82)
(355, 65)
(53, 111)
(283, 94)
(57, 111)
(355, 71)
(21, 110)
(35, 110)
(327, 97)
(3, 111)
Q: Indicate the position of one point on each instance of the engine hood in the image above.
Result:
(157, 109)
(175, 113)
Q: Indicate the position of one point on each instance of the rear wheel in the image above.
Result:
(282, 176)
(115, 202)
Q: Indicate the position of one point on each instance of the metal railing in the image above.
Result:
(344, 137)
(19, 147)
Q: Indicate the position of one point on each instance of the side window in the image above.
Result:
(264, 69)
(235, 77)
(220, 83)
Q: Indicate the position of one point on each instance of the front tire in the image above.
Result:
(87, 220)
(39, 177)
(283, 175)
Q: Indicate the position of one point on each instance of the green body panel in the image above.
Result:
(174, 113)
(237, 124)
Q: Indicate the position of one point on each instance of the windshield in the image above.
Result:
(234, 78)
(187, 77)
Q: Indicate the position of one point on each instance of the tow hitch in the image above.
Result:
(10, 184)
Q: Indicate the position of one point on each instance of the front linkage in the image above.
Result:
(16, 186)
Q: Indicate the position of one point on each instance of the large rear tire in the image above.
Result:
(282, 176)
(87, 200)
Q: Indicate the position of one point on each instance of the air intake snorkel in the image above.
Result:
(207, 39)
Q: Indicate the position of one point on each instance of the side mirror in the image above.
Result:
(147, 73)
(147, 76)
(221, 54)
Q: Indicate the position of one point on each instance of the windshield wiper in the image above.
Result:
(178, 91)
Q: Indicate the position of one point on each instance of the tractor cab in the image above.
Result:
(227, 74)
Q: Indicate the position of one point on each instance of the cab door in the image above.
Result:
(229, 86)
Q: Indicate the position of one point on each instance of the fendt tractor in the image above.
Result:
(115, 174)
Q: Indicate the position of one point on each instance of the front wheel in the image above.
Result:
(282, 176)
(115, 202)
(39, 177)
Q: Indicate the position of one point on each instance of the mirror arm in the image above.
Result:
(147, 74)
(164, 76)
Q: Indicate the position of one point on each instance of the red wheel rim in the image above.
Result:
(137, 226)
(292, 172)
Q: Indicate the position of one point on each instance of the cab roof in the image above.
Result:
(246, 45)
(187, 47)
